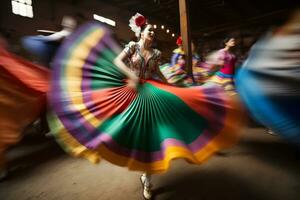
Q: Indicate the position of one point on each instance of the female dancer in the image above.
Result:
(226, 59)
(109, 103)
(45, 47)
(175, 72)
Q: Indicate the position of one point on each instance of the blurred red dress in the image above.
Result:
(23, 88)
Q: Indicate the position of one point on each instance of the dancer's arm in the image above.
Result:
(58, 35)
(121, 65)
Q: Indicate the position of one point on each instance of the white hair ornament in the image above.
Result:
(136, 22)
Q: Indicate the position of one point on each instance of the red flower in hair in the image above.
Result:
(140, 21)
(179, 41)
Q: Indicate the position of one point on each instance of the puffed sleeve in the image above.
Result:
(129, 48)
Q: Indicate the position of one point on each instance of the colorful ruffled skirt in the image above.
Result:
(226, 81)
(203, 71)
(96, 115)
(176, 75)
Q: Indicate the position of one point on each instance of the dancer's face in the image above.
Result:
(230, 43)
(148, 33)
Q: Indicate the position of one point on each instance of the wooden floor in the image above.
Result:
(261, 166)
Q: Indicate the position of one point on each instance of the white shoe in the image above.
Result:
(147, 193)
(143, 179)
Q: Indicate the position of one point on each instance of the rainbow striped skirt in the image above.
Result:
(96, 115)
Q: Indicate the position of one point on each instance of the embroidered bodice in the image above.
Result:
(144, 69)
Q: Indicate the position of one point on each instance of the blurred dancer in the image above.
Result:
(45, 47)
(23, 88)
(226, 60)
(269, 80)
(175, 72)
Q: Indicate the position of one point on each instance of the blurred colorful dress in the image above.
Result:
(95, 114)
(175, 72)
(202, 71)
(23, 88)
(225, 76)
(269, 84)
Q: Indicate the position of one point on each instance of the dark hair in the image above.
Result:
(225, 40)
(142, 29)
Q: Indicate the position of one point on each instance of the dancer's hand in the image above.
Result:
(132, 80)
